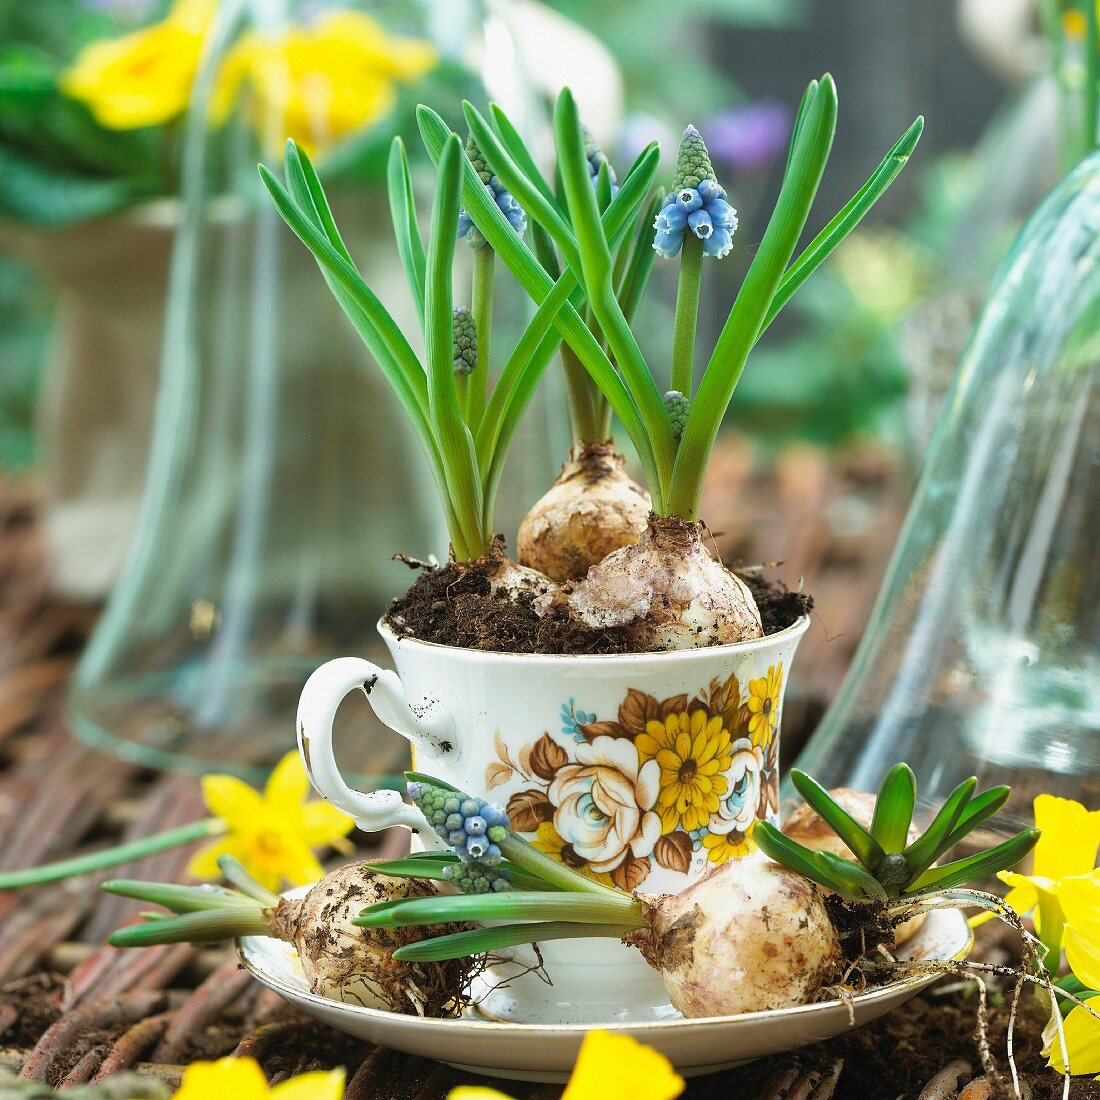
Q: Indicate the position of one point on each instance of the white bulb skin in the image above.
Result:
(669, 591)
(592, 509)
(748, 937)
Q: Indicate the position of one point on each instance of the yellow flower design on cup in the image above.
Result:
(693, 751)
(763, 705)
(549, 840)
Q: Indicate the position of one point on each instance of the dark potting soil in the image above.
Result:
(454, 605)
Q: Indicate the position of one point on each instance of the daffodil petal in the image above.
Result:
(617, 1067)
(231, 799)
(240, 1078)
(298, 864)
(1069, 840)
(1080, 900)
(324, 824)
(203, 865)
(476, 1092)
(288, 785)
(1082, 1033)
(318, 1085)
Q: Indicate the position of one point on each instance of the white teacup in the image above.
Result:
(643, 770)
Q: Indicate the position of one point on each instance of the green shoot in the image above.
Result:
(887, 866)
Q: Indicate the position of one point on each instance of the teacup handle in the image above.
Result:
(426, 723)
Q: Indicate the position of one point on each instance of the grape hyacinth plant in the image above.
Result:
(598, 551)
(665, 590)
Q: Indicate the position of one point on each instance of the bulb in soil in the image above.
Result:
(668, 591)
(810, 830)
(592, 509)
(750, 936)
(356, 965)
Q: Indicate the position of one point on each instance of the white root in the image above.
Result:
(668, 592)
(592, 509)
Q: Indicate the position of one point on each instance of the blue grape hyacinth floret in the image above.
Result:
(504, 199)
(473, 827)
(696, 203)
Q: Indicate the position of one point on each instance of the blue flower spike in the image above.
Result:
(511, 209)
(465, 341)
(478, 878)
(473, 827)
(697, 203)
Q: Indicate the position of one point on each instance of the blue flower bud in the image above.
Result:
(454, 822)
(668, 244)
(700, 223)
(456, 837)
(718, 244)
(475, 826)
(689, 199)
(477, 846)
(709, 190)
(671, 219)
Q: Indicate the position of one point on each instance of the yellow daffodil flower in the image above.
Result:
(321, 82)
(1066, 851)
(242, 1079)
(609, 1067)
(143, 78)
(273, 834)
(1082, 1032)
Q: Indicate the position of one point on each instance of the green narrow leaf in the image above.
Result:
(603, 187)
(894, 808)
(790, 853)
(520, 154)
(595, 267)
(978, 866)
(534, 280)
(456, 444)
(639, 266)
(377, 329)
(436, 869)
(822, 246)
(403, 211)
(858, 882)
(977, 812)
(810, 149)
(514, 905)
(525, 191)
(864, 846)
(180, 899)
(926, 849)
(481, 940)
(209, 926)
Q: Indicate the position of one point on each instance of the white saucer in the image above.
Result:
(546, 1052)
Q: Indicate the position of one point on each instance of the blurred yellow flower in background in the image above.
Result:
(609, 1067)
(242, 1079)
(319, 83)
(273, 834)
(143, 78)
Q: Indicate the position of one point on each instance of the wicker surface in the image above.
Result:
(72, 1010)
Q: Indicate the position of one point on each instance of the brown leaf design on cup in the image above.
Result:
(637, 709)
(673, 852)
(546, 757)
(592, 730)
(528, 809)
(631, 873)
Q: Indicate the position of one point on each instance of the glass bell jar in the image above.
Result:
(282, 477)
(982, 656)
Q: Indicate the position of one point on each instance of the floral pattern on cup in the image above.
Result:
(667, 780)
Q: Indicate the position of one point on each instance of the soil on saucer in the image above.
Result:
(454, 605)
